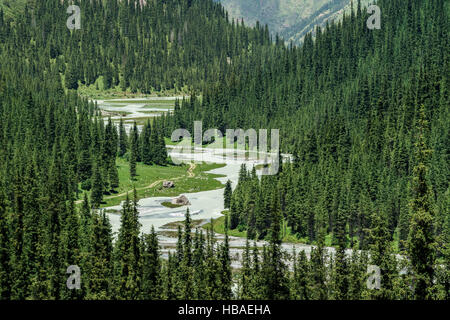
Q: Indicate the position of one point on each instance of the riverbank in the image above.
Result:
(149, 181)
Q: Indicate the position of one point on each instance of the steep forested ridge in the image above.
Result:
(54, 144)
(291, 19)
(157, 46)
(365, 113)
(347, 105)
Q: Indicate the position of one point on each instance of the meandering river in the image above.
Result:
(204, 205)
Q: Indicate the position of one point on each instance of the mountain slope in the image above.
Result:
(292, 19)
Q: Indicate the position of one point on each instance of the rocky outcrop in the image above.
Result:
(181, 200)
(168, 184)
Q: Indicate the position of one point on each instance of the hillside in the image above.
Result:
(11, 7)
(364, 113)
(291, 19)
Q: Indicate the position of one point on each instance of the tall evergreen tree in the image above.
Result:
(421, 241)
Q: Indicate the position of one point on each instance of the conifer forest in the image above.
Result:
(358, 208)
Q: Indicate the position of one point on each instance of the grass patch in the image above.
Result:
(219, 227)
(116, 113)
(262, 166)
(169, 106)
(171, 205)
(174, 225)
(149, 181)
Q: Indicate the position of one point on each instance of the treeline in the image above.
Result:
(347, 106)
(141, 46)
(148, 147)
(54, 144)
(131, 266)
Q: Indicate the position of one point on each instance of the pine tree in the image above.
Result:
(225, 267)
(134, 151)
(185, 270)
(151, 267)
(199, 265)
(342, 266)
(421, 242)
(245, 292)
(276, 276)
(127, 260)
(71, 249)
(300, 287)
(319, 271)
(100, 263)
(4, 247)
(383, 256)
(113, 174)
(71, 77)
(227, 195)
(147, 156)
(123, 139)
(97, 187)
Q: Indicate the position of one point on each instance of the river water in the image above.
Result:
(204, 205)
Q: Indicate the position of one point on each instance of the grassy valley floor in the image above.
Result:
(187, 178)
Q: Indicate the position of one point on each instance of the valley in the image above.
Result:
(117, 183)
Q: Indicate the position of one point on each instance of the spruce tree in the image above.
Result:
(151, 267)
(421, 241)
(123, 139)
(134, 149)
(97, 187)
(127, 260)
(227, 195)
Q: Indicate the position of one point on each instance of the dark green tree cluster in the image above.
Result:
(348, 105)
(365, 114)
(148, 146)
(139, 46)
(105, 177)
(200, 268)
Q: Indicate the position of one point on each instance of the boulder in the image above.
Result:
(168, 184)
(181, 200)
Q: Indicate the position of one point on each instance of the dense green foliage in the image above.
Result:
(159, 46)
(364, 112)
(347, 105)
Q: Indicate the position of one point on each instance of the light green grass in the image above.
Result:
(219, 227)
(96, 91)
(262, 166)
(160, 104)
(175, 224)
(117, 113)
(146, 185)
(148, 102)
(171, 205)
